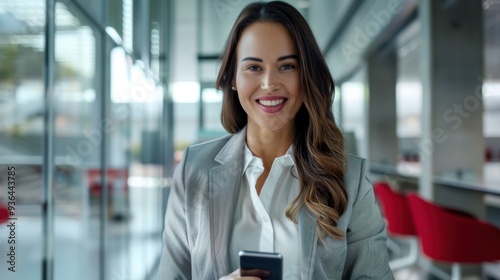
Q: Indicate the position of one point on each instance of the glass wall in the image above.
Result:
(100, 121)
(77, 142)
(22, 49)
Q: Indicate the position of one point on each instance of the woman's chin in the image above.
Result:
(277, 125)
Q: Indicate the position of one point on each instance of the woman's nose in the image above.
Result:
(270, 82)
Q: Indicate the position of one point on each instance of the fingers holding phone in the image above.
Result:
(237, 275)
(261, 273)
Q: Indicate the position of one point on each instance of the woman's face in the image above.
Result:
(268, 76)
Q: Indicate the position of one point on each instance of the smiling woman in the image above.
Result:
(282, 181)
(268, 79)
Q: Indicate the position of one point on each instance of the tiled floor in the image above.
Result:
(416, 273)
(411, 273)
(420, 271)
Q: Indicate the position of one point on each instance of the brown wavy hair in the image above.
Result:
(319, 151)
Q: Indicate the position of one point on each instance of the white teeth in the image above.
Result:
(271, 102)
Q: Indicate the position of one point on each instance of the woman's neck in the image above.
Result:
(268, 144)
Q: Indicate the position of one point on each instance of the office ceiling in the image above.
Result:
(208, 24)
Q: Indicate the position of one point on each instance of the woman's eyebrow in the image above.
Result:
(252, 58)
(281, 58)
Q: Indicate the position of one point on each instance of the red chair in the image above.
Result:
(447, 236)
(397, 213)
(4, 214)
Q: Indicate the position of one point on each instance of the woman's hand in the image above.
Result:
(236, 275)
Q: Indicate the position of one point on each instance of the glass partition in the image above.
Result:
(108, 118)
(77, 147)
(22, 50)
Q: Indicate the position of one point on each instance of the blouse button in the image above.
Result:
(265, 220)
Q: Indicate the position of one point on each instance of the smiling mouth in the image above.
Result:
(271, 103)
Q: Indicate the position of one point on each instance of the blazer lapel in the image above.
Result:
(224, 187)
(308, 242)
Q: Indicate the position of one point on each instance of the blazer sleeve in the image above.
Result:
(367, 256)
(175, 261)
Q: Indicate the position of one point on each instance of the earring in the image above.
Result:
(233, 88)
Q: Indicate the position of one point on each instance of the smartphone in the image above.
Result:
(265, 265)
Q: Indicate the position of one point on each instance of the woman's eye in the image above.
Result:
(253, 68)
(288, 67)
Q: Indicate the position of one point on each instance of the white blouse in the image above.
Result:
(259, 222)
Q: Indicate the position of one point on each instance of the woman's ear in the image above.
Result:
(233, 85)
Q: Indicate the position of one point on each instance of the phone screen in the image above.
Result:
(267, 266)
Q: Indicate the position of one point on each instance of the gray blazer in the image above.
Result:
(202, 203)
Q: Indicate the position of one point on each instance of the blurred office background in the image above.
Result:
(98, 98)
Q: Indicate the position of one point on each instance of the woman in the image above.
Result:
(282, 181)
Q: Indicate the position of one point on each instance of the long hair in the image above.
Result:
(319, 151)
